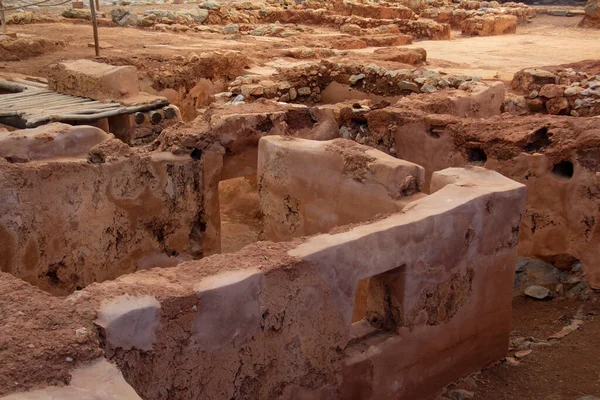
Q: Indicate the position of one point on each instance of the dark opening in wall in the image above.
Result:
(538, 140)
(435, 131)
(377, 308)
(476, 155)
(196, 154)
(266, 125)
(563, 170)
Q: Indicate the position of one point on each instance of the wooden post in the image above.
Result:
(97, 5)
(95, 27)
(2, 17)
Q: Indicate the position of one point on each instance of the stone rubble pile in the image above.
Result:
(482, 18)
(304, 84)
(563, 92)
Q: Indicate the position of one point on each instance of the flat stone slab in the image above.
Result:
(94, 80)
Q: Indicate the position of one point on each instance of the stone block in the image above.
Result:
(94, 80)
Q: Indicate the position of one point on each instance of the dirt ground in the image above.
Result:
(547, 40)
(567, 369)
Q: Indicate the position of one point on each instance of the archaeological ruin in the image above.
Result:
(297, 200)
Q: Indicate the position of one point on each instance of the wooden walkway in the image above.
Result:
(36, 105)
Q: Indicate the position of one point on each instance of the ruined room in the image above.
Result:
(299, 199)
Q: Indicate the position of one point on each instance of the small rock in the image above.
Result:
(31, 346)
(572, 91)
(231, 29)
(538, 292)
(560, 288)
(81, 332)
(239, 99)
(533, 94)
(209, 5)
(522, 354)
(428, 88)
(355, 78)
(551, 91)
(443, 83)
(69, 359)
(223, 95)
(557, 105)
(541, 343)
(304, 91)
(293, 94)
(567, 330)
(404, 85)
(512, 361)
(284, 86)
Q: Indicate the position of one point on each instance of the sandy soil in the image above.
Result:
(546, 41)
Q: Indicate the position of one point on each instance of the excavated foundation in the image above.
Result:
(356, 242)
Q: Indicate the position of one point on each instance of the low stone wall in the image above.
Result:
(559, 90)
(308, 187)
(489, 25)
(305, 83)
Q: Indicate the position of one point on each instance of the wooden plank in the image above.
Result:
(27, 99)
(76, 110)
(28, 93)
(52, 105)
(32, 83)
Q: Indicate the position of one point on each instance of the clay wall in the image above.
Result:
(554, 156)
(72, 216)
(308, 187)
(274, 320)
(270, 320)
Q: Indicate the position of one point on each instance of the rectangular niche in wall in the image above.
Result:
(377, 307)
